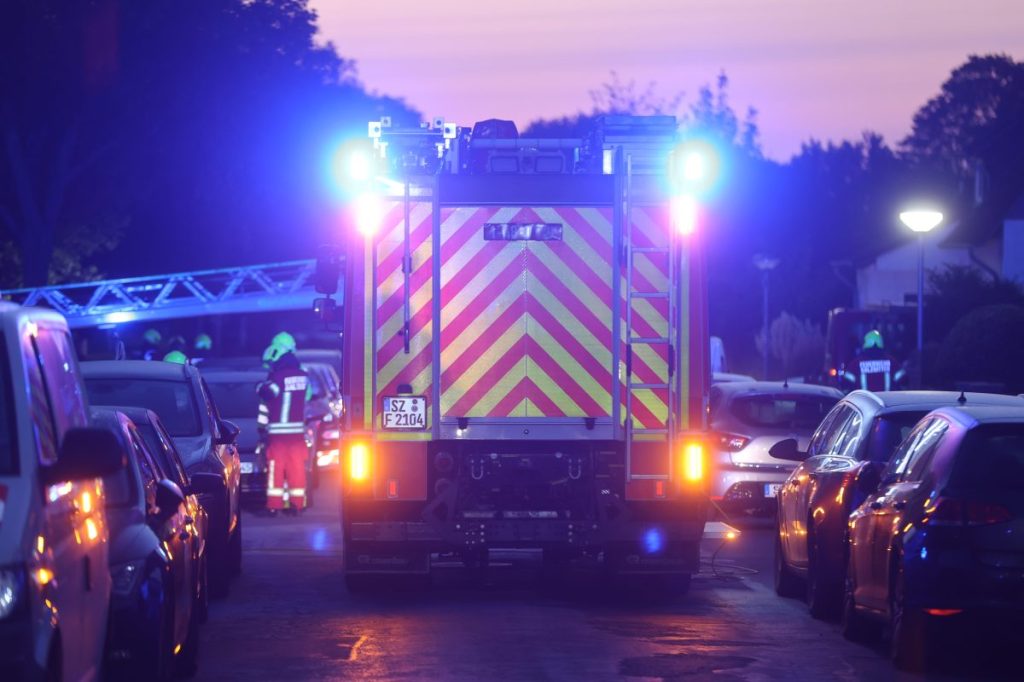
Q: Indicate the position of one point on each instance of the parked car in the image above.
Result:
(842, 464)
(154, 627)
(323, 416)
(729, 377)
(178, 394)
(161, 446)
(234, 392)
(54, 590)
(940, 544)
(746, 419)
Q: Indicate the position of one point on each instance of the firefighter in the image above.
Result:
(873, 366)
(203, 343)
(282, 410)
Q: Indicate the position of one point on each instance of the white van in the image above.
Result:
(54, 576)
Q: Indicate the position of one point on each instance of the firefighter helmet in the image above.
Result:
(177, 357)
(285, 340)
(203, 342)
(152, 337)
(873, 339)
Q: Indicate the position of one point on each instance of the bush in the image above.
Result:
(985, 346)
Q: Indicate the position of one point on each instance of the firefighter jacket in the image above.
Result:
(283, 399)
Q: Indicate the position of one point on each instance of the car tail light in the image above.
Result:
(947, 511)
(359, 462)
(730, 441)
(693, 464)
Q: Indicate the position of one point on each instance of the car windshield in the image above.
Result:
(235, 399)
(803, 412)
(8, 448)
(171, 400)
(991, 459)
(889, 431)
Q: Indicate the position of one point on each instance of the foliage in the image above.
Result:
(954, 291)
(196, 121)
(798, 346)
(995, 356)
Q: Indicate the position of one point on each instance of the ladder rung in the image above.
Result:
(650, 386)
(650, 249)
(662, 432)
(649, 294)
(649, 477)
(649, 339)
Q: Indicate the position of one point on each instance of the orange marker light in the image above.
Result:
(359, 462)
(693, 462)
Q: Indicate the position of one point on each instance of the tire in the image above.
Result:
(235, 549)
(824, 600)
(219, 569)
(786, 583)
(54, 663)
(908, 641)
(186, 663)
(853, 626)
(203, 603)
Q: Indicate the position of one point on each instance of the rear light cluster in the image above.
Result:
(947, 511)
(358, 462)
(730, 442)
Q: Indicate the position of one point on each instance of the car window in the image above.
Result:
(60, 374)
(163, 449)
(235, 399)
(824, 430)
(848, 439)
(211, 409)
(888, 431)
(714, 402)
(781, 411)
(914, 447)
(925, 450)
(43, 425)
(172, 400)
(148, 469)
(830, 438)
(8, 421)
(990, 460)
(121, 488)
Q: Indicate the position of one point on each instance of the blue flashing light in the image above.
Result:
(924, 553)
(654, 542)
(319, 540)
(696, 167)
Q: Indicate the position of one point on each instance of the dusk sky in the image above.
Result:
(813, 68)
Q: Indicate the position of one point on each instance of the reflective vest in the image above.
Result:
(283, 401)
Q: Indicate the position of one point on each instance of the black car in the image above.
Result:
(154, 615)
(939, 546)
(234, 392)
(845, 456)
(178, 394)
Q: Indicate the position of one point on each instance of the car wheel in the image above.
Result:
(822, 598)
(908, 646)
(786, 583)
(235, 550)
(220, 569)
(203, 603)
(853, 626)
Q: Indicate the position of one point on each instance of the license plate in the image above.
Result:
(405, 412)
(247, 467)
(772, 489)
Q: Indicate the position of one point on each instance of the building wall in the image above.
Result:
(1013, 250)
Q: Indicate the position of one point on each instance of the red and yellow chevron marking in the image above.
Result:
(527, 326)
(393, 365)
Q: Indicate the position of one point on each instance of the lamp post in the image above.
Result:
(765, 264)
(921, 222)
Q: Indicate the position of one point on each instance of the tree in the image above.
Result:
(955, 291)
(798, 345)
(193, 122)
(995, 357)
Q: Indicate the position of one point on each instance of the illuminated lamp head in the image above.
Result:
(368, 211)
(695, 166)
(685, 214)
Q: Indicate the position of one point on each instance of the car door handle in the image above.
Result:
(876, 505)
(184, 535)
(899, 506)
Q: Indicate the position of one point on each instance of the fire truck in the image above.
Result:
(526, 349)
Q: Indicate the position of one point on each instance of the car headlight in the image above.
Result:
(125, 576)
(12, 588)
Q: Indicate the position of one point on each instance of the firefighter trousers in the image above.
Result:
(286, 463)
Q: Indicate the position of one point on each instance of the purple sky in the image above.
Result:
(813, 68)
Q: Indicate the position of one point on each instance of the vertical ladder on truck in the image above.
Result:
(668, 342)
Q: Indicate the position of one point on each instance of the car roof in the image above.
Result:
(137, 369)
(138, 414)
(983, 414)
(734, 388)
(16, 315)
(223, 374)
(926, 401)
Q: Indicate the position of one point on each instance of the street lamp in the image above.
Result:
(765, 264)
(921, 222)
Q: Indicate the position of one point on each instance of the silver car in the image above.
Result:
(747, 418)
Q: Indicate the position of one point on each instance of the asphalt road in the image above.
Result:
(289, 617)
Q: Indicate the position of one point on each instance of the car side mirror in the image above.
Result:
(869, 479)
(86, 452)
(205, 483)
(168, 498)
(787, 449)
(228, 433)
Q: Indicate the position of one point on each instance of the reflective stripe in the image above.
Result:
(263, 419)
(264, 409)
(286, 407)
(275, 389)
(292, 427)
(275, 492)
(298, 492)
